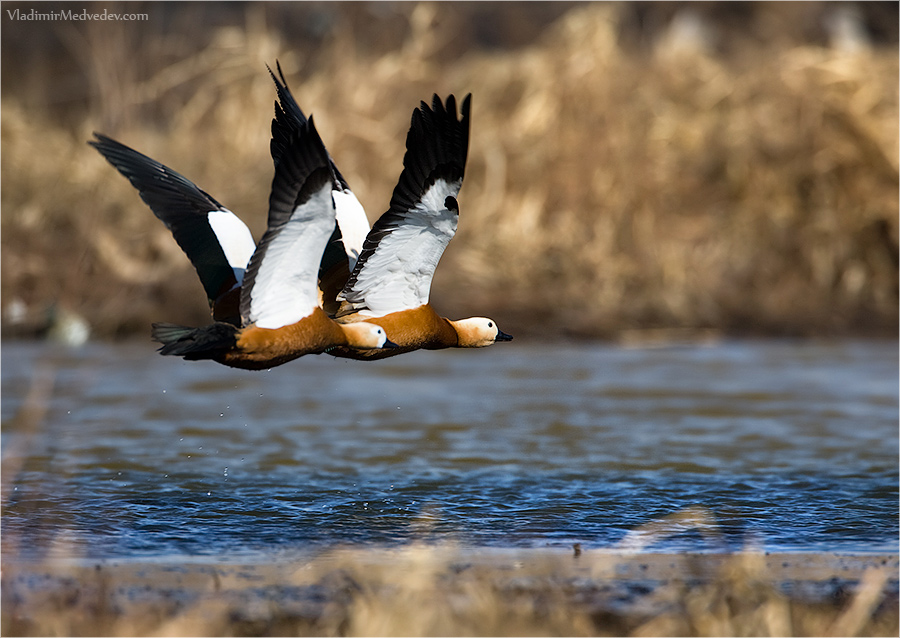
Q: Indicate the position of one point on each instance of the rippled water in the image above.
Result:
(113, 451)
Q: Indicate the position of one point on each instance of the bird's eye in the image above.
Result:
(490, 324)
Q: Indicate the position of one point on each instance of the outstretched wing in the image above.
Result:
(280, 284)
(352, 224)
(400, 254)
(218, 244)
(289, 118)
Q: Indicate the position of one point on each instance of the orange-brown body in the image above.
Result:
(419, 328)
(262, 348)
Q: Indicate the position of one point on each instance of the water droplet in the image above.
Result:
(221, 414)
(209, 493)
(164, 391)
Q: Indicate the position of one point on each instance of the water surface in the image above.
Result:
(112, 451)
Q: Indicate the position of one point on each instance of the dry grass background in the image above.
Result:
(619, 178)
(685, 179)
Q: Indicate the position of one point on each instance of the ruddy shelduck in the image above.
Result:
(391, 282)
(264, 298)
(390, 275)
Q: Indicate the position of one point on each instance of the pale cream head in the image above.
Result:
(478, 332)
(365, 336)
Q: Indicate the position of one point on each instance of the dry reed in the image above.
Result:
(430, 591)
(607, 189)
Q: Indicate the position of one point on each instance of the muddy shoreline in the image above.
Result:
(428, 590)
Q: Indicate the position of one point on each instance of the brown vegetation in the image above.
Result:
(748, 189)
(449, 591)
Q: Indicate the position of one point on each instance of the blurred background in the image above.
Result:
(635, 169)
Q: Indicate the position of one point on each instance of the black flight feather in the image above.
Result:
(181, 206)
(303, 169)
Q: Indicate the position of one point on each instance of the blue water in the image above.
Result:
(112, 451)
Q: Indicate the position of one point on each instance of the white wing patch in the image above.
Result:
(234, 238)
(352, 221)
(397, 276)
(285, 287)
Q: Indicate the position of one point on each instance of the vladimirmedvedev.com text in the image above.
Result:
(69, 14)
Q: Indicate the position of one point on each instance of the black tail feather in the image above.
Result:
(206, 342)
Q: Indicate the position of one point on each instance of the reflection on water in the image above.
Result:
(114, 451)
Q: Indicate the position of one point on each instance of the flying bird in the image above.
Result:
(391, 282)
(264, 298)
(390, 275)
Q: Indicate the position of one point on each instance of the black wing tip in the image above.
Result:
(441, 129)
(302, 156)
(447, 107)
(437, 147)
(466, 106)
(152, 178)
(105, 144)
(122, 157)
(443, 112)
(280, 72)
(280, 82)
(286, 101)
(303, 141)
(101, 139)
(289, 117)
(309, 128)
